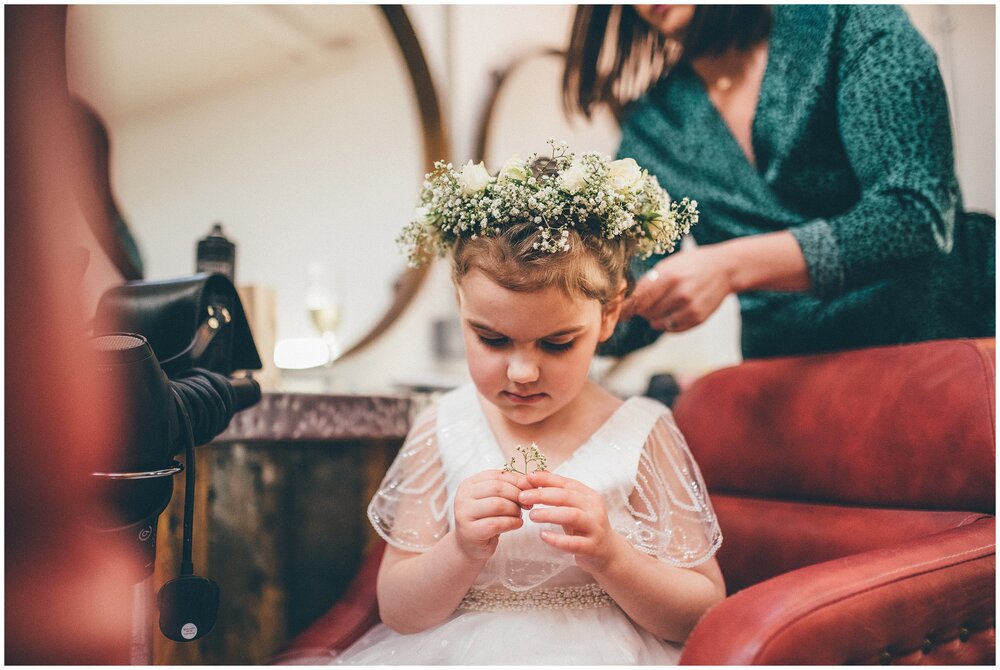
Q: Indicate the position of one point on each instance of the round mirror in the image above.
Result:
(296, 128)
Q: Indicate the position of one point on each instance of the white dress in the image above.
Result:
(531, 604)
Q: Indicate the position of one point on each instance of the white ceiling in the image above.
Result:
(134, 59)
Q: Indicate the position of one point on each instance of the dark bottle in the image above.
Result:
(216, 254)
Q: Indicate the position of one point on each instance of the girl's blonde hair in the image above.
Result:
(592, 267)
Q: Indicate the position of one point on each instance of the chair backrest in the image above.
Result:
(812, 458)
(910, 426)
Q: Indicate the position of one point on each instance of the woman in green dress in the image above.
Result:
(817, 142)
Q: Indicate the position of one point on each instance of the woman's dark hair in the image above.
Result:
(614, 56)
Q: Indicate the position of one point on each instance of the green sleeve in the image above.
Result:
(893, 120)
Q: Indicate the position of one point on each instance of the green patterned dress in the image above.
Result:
(854, 157)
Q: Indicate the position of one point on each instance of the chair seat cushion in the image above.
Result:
(764, 538)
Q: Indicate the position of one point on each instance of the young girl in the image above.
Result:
(606, 556)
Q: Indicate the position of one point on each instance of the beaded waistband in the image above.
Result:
(562, 597)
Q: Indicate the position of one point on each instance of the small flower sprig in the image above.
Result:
(555, 192)
(529, 455)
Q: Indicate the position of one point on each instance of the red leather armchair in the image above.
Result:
(856, 495)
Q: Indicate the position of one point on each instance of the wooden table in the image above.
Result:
(280, 520)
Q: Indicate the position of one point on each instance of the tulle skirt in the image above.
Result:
(593, 636)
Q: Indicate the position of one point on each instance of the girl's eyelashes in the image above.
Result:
(557, 346)
(495, 342)
(500, 342)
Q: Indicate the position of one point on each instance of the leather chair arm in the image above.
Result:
(930, 600)
(349, 618)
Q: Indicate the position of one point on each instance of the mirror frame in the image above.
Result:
(436, 147)
(500, 77)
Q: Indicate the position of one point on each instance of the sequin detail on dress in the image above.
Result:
(556, 598)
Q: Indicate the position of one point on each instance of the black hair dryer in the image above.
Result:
(138, 483)
(172, 397)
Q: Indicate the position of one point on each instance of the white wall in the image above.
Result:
(964, 37)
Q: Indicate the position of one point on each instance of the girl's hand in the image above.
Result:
(581, 513)
(486, 505)
(682, 290)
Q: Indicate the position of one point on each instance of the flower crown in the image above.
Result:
(585, 191)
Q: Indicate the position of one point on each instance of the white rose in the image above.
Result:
(474, 178)
(625, 175)
(422, 215)
(574, 177)
(514, 169)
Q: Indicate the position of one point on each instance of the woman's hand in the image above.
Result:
(682, 290)
(486, 505)
(581, 512)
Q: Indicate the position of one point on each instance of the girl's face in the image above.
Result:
(529, 353)
(670, 20)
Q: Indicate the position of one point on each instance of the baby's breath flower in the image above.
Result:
(556, 192)
(530, 454)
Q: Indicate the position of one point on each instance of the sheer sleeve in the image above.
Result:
(669, 513)
(409, 510)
